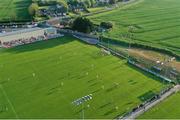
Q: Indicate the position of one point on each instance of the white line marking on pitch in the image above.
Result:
(4, 92)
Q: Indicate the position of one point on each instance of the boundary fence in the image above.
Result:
(140, 109)
(94, 40)
(143, 106)
(149, 71)
(134, 63)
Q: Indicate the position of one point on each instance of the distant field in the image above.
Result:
(14, 10)
(156, 23)
(168, 109)
(42, 80)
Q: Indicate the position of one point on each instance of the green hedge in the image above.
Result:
(138, 45)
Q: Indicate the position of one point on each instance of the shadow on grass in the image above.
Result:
(144, 97)
(110, 112)
(94, 84)
(112, 88)
(132, 82)
(40, 45)
(95, 91)
(105, 105)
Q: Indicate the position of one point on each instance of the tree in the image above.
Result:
(73, 2)
(64, 5)
(106, 25)
(93, 2)
(33, 8)
(88, 3)
(35, 1)
(82, 24)
(84, 5)
(112, 1)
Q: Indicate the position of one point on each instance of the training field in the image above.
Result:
(42, 80)
(14, 10)
(168, 109)
(156, 23)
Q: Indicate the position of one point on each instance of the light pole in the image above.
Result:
(108, 45)
(130, 37)
(166, 66)
(83, 110)
(81, 101)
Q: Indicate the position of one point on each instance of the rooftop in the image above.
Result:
(20, 31)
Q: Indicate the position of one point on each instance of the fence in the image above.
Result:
(167, 70)
(71, 32)
(144, 65)
(120, 54)
(149, 71)
(144, 106)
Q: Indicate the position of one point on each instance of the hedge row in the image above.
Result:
(138, 45)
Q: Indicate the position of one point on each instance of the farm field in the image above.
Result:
(41, 80)
(168, 109)
(14, 10)
(155, 23)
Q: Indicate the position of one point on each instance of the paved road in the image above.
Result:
(89, 40)
(163, 97)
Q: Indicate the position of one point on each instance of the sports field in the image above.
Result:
(155, 22)
(42, 80)
(168, 109)
(14, 10)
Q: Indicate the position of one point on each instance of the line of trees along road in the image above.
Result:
(69, 5)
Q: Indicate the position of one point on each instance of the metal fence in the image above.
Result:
(148, 102)
(141, 63)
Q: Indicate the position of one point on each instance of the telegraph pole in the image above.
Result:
(130, 37)
(83, 110)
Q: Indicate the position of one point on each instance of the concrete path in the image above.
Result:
(88, 40)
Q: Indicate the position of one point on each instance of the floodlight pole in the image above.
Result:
(130, 36)
(108, 45)
(166, 67)
(82, 103)
(100, 37)
(83, 111)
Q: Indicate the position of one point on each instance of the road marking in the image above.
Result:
(5, 94)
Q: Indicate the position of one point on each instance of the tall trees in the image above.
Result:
(93, 2)
(33, 8)
(106, 25)
(112, 1)
(88, 3)
(82, 24)
(64, 5)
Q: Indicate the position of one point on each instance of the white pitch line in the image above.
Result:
(12, 107)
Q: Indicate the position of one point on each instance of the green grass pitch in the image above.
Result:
(14, 10)
(168, 109)
(41, 80)
(156, 23)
